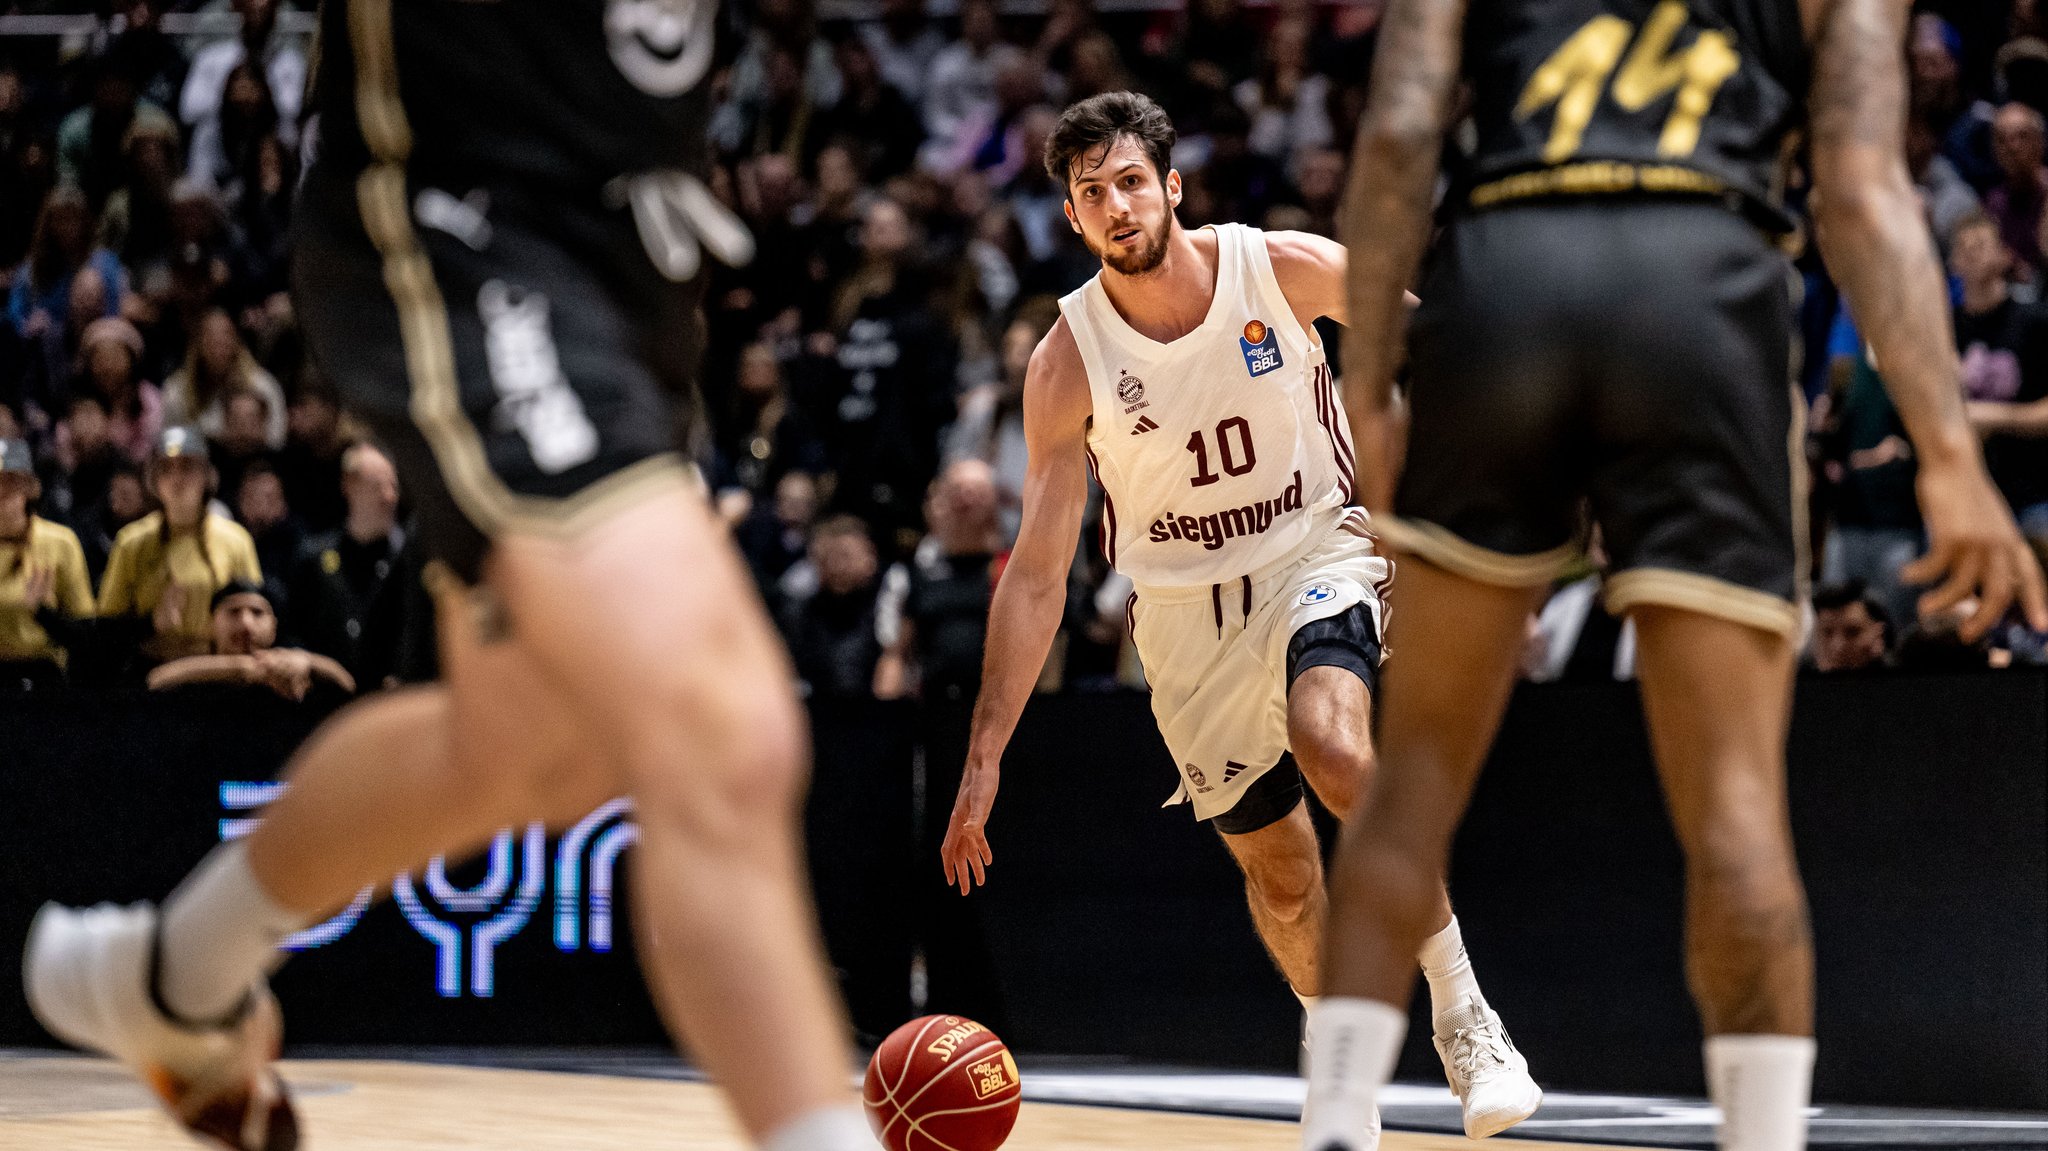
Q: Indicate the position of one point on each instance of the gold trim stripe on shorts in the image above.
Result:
(436, 397)
(1437, 545)
(1705, 595)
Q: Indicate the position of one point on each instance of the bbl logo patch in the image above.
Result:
(1261, 346)
(1317, 594)
(993, 1074)
(1131, 390)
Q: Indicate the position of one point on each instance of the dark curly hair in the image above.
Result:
(1098, 122)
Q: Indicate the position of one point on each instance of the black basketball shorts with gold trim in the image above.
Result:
(521, 358)
(1633, 356)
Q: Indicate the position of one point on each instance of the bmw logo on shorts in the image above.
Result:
(1317, 594)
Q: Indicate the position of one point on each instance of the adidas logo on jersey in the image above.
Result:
(1214, 529)
(1231, 768)
(1144, 425)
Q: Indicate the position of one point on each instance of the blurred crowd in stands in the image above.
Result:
(178, 484)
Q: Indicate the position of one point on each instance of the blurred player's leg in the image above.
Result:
(699, 724)
(1458, 640)
(1329, 718)
(179, 995)
(379, 790)
(652, 625)
(1718, 696)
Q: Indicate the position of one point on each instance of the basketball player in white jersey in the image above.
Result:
(1188, 377)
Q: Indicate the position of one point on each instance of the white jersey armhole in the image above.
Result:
(1259, 266)
(1081, 327)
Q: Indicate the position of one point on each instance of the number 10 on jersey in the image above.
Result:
(1236, 460)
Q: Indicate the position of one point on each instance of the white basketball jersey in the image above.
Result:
(1223, 451)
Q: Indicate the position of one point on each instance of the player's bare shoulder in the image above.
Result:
(1310, 271)
(1056, 397)
(1303, 253)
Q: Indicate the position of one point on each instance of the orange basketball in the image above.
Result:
(942, 1083)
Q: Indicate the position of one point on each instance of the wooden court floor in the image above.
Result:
(87, 1105)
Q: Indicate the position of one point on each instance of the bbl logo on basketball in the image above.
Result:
(992, 1075)
(1131, 390)
(1261, 347)
(1317, 594)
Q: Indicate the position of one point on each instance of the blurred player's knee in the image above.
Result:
(719, 752)
(1746, 918)
(1403, 874)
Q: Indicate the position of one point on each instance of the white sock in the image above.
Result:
(826, 1129)
(1762, 1084)
(1448, 971)
(1352, 1047)
(218, 934)
(1308, 1013)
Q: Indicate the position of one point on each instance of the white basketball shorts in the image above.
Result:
(1216, 657)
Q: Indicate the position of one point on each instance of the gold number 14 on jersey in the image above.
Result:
(1574, 74)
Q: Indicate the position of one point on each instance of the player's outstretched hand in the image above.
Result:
(1974, 549)
(965, 853)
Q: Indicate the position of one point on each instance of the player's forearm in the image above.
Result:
(1387, 225)
(1878, 249)
(1022, 621)
(1393, 179)
(1870, 225)
(1382, 441)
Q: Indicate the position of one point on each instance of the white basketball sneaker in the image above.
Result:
(88, 975)
(1486, 1073)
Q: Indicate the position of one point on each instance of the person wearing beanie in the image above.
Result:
(243, 619)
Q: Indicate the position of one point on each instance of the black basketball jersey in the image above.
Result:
(1575, 97)
(543, 94)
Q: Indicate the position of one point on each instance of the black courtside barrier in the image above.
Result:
(1114, 927)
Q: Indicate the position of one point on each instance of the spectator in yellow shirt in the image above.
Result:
(166, 566)
(45, 598)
